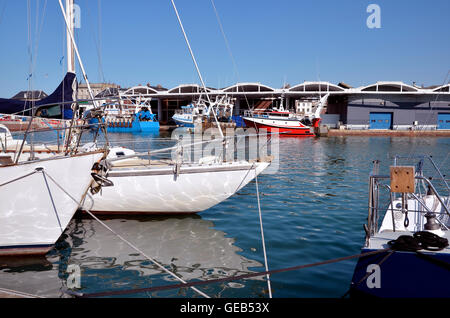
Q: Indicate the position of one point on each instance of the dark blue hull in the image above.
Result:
(402, 274)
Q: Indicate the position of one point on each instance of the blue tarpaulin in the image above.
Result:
(64, 93)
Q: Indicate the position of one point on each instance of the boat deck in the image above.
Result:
(136, 163)
(380, 240)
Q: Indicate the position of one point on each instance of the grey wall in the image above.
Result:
(405, 109)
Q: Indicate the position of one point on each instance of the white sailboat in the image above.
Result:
(35, 208)
(163, 187)
(39, 196)
(410, 245)
(173, 187)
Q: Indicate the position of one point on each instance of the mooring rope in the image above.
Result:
(225, 279)
(126, 241)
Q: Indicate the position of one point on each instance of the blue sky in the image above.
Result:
(272, 42)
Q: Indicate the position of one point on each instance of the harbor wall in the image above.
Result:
(387, 133)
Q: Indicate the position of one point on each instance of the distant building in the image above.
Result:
(31, 96)
(303, 106)
(97, 88)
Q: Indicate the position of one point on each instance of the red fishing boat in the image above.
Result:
(276, 121)
(285, 122)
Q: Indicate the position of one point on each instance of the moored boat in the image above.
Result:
(285, 122)
(34, 200)
(201, 111)
(42, 187)
(278, 121)
(142, 121)
(143, 186)
(410, 251)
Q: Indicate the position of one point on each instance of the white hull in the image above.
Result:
(31, 220)
(157, 190)
(183, 119)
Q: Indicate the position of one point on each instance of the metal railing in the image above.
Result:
(377, 183)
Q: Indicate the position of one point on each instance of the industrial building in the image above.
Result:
(382, 105)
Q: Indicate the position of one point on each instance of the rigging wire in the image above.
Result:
(256, 175)
(39, 28)
(97, 41)
(197, 68)
(430, 115)
(2, 11)
(227, 44)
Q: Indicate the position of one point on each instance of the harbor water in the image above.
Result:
(313, 209)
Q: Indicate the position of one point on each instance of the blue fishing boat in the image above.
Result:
(407, 254)
(143, 121)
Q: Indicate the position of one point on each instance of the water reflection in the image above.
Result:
(188, 246)
(313, 210)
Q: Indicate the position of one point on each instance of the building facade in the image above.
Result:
(383, 105)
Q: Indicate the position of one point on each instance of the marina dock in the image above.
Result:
(388, 133)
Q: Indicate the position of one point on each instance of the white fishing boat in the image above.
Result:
(201, 111)
(410, 254)
(187, 115)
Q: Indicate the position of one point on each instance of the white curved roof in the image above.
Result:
(248, 87)
(389, 87)
(315, 87)
(443, 88)
(144, 90)
(187, 88)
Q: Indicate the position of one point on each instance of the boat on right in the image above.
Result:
(406, 252)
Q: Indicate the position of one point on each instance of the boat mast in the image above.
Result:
(75, 47)
(70, 28)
